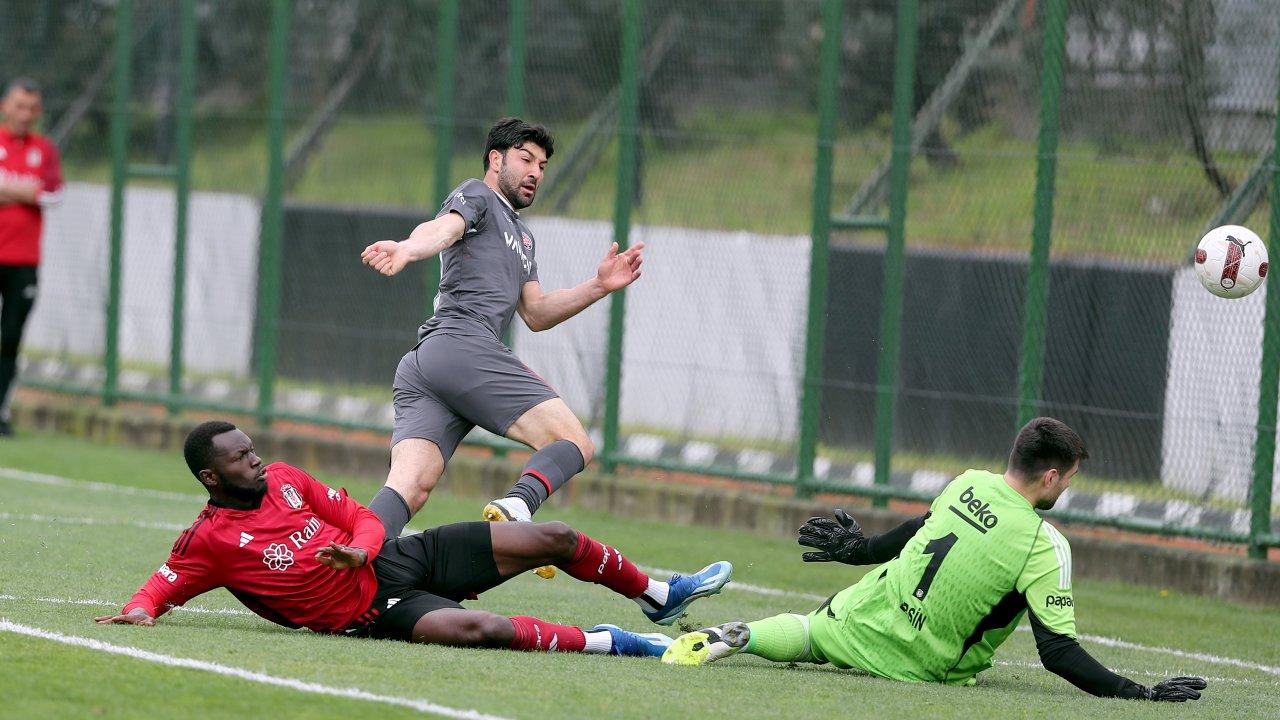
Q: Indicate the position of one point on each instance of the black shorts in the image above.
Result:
(449, 383)
(427, 571)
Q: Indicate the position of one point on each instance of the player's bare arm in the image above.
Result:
(341, 557)
(25, 191)
(137, 616)
(426, 241)
(543, 311)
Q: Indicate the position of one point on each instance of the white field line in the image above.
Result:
(1090, 638)
(234, 611)
(734, 585)
(1147, 673)
(300, 685)
(58, 520)
(57, 481)
(1199, 657)
(119, 605)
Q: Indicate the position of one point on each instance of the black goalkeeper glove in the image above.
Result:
(1179, 689)
(840, 540)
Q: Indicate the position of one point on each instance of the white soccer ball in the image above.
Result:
(1231, 261)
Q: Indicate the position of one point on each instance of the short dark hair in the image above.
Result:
(512, 132)
(1046, 443)
(198, 447)
(25, 84)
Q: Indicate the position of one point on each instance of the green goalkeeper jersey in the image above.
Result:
(960, 586)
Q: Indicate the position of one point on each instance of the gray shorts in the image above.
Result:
(448, 384)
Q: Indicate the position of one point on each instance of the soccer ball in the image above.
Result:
(1231, 261)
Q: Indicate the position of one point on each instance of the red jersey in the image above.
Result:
(30, 158)
(266, 556)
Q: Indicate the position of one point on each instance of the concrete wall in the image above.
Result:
(961, 340)
(222, 262)
(714, 331)
(1215, 348)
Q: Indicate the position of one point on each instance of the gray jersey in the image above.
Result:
(481, 275)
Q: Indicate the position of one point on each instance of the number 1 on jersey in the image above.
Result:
(938, 548)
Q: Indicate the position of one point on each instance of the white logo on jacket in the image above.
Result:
(277, 557)
(514, 244)
(307, 532)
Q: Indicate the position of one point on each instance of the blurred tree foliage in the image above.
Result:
(1134, 66)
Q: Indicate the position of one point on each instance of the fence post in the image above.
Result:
(182, 191)
(122, 89)
(819, 247)
(269, 253)
(518, 32)
(446, 62)
(1264, 449)
(904, 73)
(1031, 371)
(628, 115)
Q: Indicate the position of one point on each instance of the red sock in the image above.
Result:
(600, 564)
(542, 636)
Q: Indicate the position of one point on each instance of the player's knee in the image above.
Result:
(557, 540)
(487, 630)
(426, 479)
(585, 446)
(416, 467)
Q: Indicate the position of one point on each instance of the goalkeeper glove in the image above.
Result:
(1179, 689)
(840, 540)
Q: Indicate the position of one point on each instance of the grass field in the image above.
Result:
(79, 546)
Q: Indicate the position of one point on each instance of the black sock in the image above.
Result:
(548, 469)
(392, 510)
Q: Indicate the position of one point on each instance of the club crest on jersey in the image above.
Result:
(291, 496)
(526, 241)
(34, 157)
(277, 557)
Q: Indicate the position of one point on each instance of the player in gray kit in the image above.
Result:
(460, 374)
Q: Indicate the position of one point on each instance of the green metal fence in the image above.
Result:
(800, 322)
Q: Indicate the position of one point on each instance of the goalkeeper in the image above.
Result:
(954, 585)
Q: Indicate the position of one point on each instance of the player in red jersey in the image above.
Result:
(302, 554)
(30, 180)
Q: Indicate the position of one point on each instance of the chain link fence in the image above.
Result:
(696, 128)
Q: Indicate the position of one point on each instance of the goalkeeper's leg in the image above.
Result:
(781, 638)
